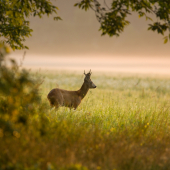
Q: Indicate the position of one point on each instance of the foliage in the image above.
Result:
(18, 94)
(14, 26)
(113, 19)
(14, 14)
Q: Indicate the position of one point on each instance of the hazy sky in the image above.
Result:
(77, 35)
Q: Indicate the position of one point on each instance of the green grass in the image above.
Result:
(133, 111)
(123, 124)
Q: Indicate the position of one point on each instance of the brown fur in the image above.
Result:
(59, 97)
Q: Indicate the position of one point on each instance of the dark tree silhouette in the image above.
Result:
(14, 14)
(113, 17)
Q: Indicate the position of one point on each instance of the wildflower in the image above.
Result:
(112, 129)
(98, 167)
(16, 134)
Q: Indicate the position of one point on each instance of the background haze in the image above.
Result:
(77, 37)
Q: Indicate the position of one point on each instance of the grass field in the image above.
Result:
(123, 124)
(131, 114)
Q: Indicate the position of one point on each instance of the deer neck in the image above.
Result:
(83, 90)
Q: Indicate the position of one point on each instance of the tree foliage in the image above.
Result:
(14, 14)
(14, 23)
(113, 18)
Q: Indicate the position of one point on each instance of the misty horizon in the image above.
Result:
(77, 37)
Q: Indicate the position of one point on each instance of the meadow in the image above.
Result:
(123, 124)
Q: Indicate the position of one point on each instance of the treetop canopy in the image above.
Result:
(14, 14)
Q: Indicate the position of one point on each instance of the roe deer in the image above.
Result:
(59, 97)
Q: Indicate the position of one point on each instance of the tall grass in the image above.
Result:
(124, 124)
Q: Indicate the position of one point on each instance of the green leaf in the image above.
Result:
(76, 4)
(14, 13)
(165, 39)
(57, 18)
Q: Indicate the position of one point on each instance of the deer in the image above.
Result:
(72, 99)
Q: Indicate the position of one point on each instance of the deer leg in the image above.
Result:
(56, 107)
(58, 104)
(77, 103)
(75, 107)
(72, 107)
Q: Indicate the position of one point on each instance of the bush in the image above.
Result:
(22, 112)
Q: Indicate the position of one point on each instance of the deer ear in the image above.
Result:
(84, 73)
(90, 72)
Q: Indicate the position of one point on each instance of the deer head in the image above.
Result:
(88, 81)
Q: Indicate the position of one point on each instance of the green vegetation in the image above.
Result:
(124, 124)
(113, 15)
(14, 19)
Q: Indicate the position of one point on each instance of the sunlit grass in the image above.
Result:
(116, 100)
(123, 124)
(131, 114)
